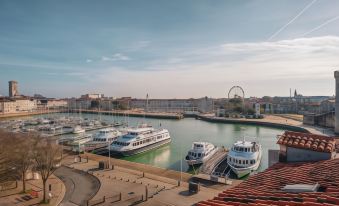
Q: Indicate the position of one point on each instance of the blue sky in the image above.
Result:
(176, 48)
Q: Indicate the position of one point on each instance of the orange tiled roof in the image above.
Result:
(307, 141)
(265, 188)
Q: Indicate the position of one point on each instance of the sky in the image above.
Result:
(169, 49)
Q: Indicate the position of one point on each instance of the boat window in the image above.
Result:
(246, 161)
(199, 154)
(241, 149)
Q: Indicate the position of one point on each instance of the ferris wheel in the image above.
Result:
(236, 92)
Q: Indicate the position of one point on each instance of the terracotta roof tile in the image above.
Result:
(308, 141)
(265, 188)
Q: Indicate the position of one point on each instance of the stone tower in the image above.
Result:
(336, 120)
(13, 88)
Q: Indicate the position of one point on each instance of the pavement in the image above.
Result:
(131, 185)
(15, 197)
(80, 186)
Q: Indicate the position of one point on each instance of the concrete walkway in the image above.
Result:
(80, 186)
(132, 183)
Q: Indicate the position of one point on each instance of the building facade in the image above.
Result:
(9, 106)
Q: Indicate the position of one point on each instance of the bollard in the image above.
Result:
(146, 193)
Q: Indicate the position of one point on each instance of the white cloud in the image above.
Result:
(115, 57)
(89, 60)
(262, 68)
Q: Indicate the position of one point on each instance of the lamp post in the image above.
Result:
(180, 163)
(109, 153)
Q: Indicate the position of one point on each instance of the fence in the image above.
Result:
(135, 200)
(8, 185)
(104, 199)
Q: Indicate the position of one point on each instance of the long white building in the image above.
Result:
(9, 106)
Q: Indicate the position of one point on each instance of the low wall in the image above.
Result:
(151, 170)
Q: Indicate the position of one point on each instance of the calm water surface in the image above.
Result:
(188, 130)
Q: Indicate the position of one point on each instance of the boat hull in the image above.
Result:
(142, 149)
(242, 172)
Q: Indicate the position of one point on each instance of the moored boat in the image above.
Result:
(244, 157)
(139, 140)
(200, 153)
(103, 138)
(78, 129)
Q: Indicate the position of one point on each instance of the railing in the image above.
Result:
(8, 185)
(111, 199)
(135, 200)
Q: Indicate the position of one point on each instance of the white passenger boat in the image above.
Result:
(200, 153)
(103, 138)
(78, 129)
(140, 139)
(78, 142)
(244, 157)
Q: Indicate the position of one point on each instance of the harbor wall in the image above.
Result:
(22, 114)
(249, 122)
(134, 114)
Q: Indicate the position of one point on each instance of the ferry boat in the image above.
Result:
(244, 157)
(200, 153)
(102, 138)
(78, 129)
(140, 139)
(78, 142)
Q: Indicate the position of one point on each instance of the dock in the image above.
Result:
(209, 166)
(208, 170)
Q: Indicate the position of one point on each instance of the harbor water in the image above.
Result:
(185, 131)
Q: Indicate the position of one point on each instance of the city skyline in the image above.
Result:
(169, 49)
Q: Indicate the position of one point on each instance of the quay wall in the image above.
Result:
(22, 114)
(253, 122)
(134, 114)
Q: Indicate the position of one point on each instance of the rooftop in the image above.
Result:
(267, 188)
(307, 141)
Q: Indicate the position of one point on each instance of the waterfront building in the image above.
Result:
(92, 96)
(327, 106)
(9, 106)
(202, 105)
(49, 103)
(79, 103)
(324, 120)
(13, 88)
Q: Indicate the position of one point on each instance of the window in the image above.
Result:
(246, 161)
(199, 154)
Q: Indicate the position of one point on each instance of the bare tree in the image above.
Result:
(47, 156)
(7, 166)
(23, 155)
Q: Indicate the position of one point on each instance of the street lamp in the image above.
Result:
(109, 153)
